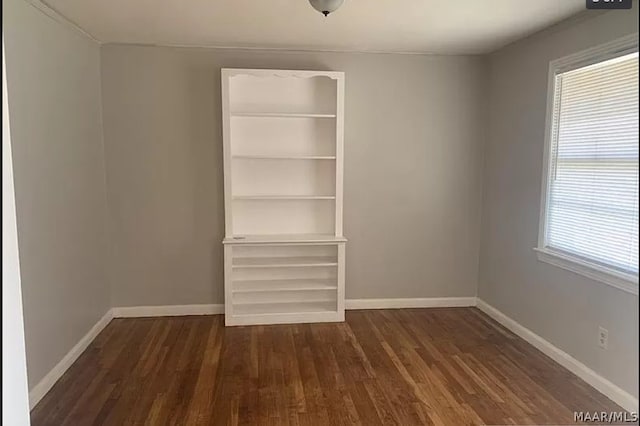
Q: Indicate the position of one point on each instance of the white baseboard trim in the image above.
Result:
(602, 385)
(167, 311)
(425, 302)
(47, 382)
(351, 304)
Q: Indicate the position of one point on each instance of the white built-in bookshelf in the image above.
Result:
(284, 250)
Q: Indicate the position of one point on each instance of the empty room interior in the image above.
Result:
(320, 212)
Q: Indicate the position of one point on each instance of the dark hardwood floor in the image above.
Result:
(452, 366)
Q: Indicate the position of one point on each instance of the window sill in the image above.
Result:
(617, 279)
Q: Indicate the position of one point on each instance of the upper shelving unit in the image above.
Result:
(283, 176)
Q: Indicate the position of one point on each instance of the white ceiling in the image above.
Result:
(425, 26)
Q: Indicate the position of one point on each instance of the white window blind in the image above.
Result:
(592, 195)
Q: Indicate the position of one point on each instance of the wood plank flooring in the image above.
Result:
(449, 366)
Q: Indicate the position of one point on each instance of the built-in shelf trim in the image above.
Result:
(276, 286)
(285, 239)
(284, 197)
(284, 157)
(281, 115)
(283, 262)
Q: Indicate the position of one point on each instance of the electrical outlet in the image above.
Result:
(603, 338)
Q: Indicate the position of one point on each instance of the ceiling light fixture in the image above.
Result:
(326, 6)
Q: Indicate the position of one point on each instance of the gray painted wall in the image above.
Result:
(413, 151)
(53, 76)
(562, 307)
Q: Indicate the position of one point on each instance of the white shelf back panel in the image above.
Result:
(269, 274)
(282, 95)
(284, 308)
(283, 262)
(263, 217)
(286, 296)
(285, 251)
(299, 284)
(283, 136)
(283, 177)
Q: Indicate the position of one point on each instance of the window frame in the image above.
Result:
(579, 265)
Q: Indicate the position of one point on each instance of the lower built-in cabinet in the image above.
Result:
(288, 282)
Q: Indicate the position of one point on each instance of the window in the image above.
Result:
(589, 217)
